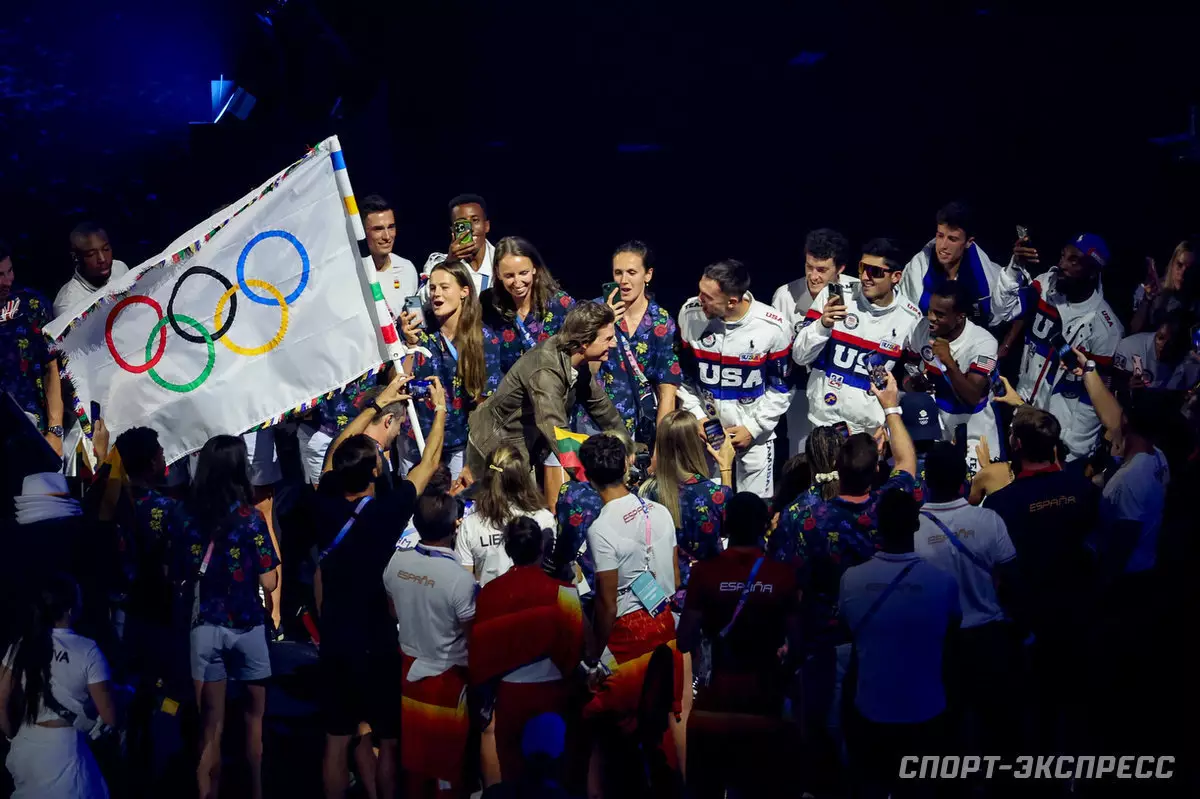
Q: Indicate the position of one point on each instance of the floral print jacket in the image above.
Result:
(701, 514)
(229, 587)
(504, 342)
(25, 352)
(654, 348)
(442, 363)
(825, 538)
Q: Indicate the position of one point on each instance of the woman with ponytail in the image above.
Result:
(53, 687)
(506, 492)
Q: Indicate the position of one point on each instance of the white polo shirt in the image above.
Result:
(433, 596)
(1138, 492)
(984, 534)
(900, 677)
(78, 288)
(398, 281)
(617, 539)
(480, 545)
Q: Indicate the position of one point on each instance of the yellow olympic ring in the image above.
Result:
(283, 319)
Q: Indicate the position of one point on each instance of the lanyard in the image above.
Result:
(958, 544)
(450, 346)
(634, 366)
(746, 589)
(646, 515)
(207, 557)
(529, 342)
(362, 503)
(421, 549)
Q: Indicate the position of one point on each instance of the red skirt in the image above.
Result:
(634, 638)
(434, 723)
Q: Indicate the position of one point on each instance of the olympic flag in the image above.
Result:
(258, 312)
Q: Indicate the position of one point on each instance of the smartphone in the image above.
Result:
(419, 389)
(714, 432)
(95, 411)
(1139, 365)
(1066, 355)
(877, 369)
(416, 307)
(1022, 233)
(842, 429)
(835, 290)
(606, 291)
(998, 389)
(462, 231)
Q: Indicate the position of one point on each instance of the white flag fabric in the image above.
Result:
(256, 312)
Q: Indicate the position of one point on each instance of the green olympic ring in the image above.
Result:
(182, 388)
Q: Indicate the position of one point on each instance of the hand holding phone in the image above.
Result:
(415, 308)
(835, 306)
(462, 232)
(610, 292)
(877, 369)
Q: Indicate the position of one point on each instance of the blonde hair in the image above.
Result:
(507, 489)
(680, 456)
(1181, 248)
(468, 338)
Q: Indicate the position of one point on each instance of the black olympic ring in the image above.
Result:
(215, 275)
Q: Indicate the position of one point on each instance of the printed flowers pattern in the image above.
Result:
(701, 514)
(458, 405)
(824, 538)
(24, 352)
(504, 343)
(338, 411)
(578, 506)
(654, 348)
(229, 588)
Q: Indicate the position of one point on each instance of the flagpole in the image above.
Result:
(387, 327)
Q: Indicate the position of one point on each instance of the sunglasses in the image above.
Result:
(872, 271)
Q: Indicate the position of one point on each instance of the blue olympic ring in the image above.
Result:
(241, 267)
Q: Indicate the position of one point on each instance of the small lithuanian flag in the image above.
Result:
(568, 445)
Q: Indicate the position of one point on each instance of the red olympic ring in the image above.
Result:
(108, 326)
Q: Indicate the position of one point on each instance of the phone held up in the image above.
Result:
(714, 432)
(606, 291)
(419, 389)
(842, 429)
(877, 369)
(1066, 355)
(835, 290)
(415, 307)
(462, 231)
(95, 411)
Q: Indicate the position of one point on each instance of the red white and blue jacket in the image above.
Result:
(737, 371)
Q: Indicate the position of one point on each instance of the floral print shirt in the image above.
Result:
(145, 548)
(504, 342)
(338, 411)
(25, 352)
(443, 363)
(701, 514)
(578, 506)
(229, 588)
(654, 347)
(822, 540)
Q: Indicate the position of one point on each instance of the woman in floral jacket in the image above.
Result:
(642, 372)
(523, 308)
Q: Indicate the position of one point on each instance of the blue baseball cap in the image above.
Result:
(1092, 246)
(920, 415)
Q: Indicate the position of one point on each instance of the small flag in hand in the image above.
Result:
(568, 445)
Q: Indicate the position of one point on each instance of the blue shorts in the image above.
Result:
(219, 653)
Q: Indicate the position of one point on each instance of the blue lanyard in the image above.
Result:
(746, 589)
(421, 549)
(450, 346)
(362, 503)
(529, 342)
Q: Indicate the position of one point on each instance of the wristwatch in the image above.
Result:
(55, 429)
(1089, 366)
(375, 405)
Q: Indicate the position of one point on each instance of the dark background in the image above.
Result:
(707, 131)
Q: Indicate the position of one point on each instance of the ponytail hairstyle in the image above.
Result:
(544, 284)
(58, 597)
(821, 451)
(508, 488)
(468, 340)
(680, 454)
(222, 479)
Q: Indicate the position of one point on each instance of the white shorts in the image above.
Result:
(262, 457)
(313, 445)
(453, 460)
(220, 652)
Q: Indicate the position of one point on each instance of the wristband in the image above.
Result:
(892, 411)
(1089, 366)
(375, 406)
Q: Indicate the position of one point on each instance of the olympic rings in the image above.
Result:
(283, 317)
(184, 388)
(151, 361)
(215, 275)
(241, 267)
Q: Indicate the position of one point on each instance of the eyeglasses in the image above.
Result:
(872, 271)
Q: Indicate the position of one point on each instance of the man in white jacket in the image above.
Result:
(91, 253)
(736, 366)
(839, 339)
(993, 290)
(825, 253)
